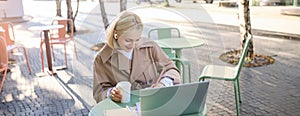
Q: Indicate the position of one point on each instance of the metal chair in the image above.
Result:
(60, 36)
(228, 73)
(162, 33)
(9, 36)
(3, 61)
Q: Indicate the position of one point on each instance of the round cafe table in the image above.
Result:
(46, 29)
(107, 107)
(178, 44)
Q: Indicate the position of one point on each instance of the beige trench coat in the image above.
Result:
(148, 61)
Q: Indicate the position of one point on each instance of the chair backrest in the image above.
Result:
(243, 55)
(3, 55)
(165, 32)
(8, 33)
(162, 33)
(3, 60)
(62, 33)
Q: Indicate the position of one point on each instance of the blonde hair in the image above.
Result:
(125, 21)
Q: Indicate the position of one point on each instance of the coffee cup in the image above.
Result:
(124, 87)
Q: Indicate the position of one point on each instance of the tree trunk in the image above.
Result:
(76, 10)
(70, 14)
(167, 3)
(123, 4)
(103, 14)
(295, 3)
(245, 27)
(58, 8)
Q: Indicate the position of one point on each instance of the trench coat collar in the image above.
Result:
(107, 51)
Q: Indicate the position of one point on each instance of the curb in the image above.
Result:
(259, 32)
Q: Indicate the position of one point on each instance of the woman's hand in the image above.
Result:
(157, 85)
(115, 95)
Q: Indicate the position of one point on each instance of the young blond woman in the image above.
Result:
(127, 57)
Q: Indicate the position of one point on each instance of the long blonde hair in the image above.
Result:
(123, 22)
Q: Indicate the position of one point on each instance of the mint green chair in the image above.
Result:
(163, 33)
(228, 73)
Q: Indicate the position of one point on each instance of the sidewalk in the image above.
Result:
(267, 90)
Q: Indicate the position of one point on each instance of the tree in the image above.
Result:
(58, 8)
(123, 4)
(245, 31)
(69, 12)
(103, 14)
(245, 27)
(295, 3)
(167, 4)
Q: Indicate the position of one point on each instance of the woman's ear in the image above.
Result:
(115, 34)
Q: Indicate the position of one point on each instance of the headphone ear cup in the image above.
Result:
(115, 36)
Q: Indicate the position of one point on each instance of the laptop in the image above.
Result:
(183, 99)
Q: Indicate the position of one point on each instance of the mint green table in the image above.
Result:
(108, 104)
(177, 44)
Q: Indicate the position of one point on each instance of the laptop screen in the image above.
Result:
(174, 100)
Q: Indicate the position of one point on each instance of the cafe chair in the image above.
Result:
(60, 36)
(162, 33)
(9, 36)
(228, 73)
(3, 61)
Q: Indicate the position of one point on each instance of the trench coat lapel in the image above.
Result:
(121, 63)
(139, 62)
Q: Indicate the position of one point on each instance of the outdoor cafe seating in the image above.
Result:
(9, 36)
(60, 36)
(228, 73)
(3, 61)
(163, 33)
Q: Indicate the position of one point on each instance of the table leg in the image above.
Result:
(49, 59)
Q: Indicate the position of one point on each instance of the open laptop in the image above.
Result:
(183, 99)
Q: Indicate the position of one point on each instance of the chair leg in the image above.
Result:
(236, 99)
(52, 50)
(42, 56)
(239, 92)
(26, 57)
(3, 79)
(66, 60)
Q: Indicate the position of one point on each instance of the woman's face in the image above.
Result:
(129, 39)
